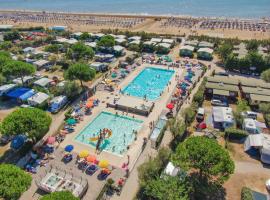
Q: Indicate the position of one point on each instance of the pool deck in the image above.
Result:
(106, 97)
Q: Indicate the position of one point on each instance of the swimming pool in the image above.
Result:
(122, 127)
(150, 83)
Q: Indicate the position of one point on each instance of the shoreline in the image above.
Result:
(134, 15)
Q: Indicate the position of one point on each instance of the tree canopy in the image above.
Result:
(106, 41)
(52, 48)
(59, 196)
(80, 72)
(80, 51)
(32, 122)
(84, 36)
(18, 69)
(204, 157)
(266, 75)
(12, 35)
(170, 188)
(224, 51)
(252, 45)
(13, 181)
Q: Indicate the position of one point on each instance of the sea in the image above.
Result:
(197, 8)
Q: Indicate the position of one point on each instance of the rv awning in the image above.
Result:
(221, 92)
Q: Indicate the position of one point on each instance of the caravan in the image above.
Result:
(57, 103)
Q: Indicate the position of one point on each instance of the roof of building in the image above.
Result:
(135, 42)
(120, 40)
(7, 87)
(149, 43)
(187, 47)
(260, 98)
(135, 38)
(206, 50)
(165, 45)
(191, 42)
(170, 41)
(256, 90)
(19, 80)
(223, 79)
(91, 44)
(156, 40)
(17, 92)
(251, 82)
(206, 44)
(38, 98)
(118, 48)
(221, 86)
(40, 63)
(221, 92)
(223, 114)
(58, 99)
(43, 82)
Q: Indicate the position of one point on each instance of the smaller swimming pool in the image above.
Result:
(123, 132)
(150, 83)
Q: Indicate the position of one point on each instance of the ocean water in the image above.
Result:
(208, 8)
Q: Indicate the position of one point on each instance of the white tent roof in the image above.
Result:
(171, 170)
(91, 44)
(223, 114)
(135, 42)
(38, 98)
(42, 82)
(253, 140)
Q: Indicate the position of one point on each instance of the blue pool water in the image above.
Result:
(122, 132)
(150, 83)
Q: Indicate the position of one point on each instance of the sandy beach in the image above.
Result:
(172, 25)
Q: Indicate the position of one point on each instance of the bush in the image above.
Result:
(246, 194)
(13, 182)
(59, 196)
(233, 133)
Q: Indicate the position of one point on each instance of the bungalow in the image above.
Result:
(76, 35)
(186, 51)
(61, 40)
(222, 117)
(130, 39)
(205, 44)
(247, 91)
(72, 41)
(57, 103)
(205, 53)
(38, 99)
(169, 41)
(255, 99)
(148, 46)
(223, 79)
(91, 44)
(4, 89)
(28, 50)
(101, 57)
(26, 80)
(120, 41)
(118, 50)
(193, 43)
(156, 40)
(43, 82)
(135, 42)
(120, 37)
(97, 36)
(42, 64)
(163, 48)
(222, 89)
(251, 82)
(99, 67)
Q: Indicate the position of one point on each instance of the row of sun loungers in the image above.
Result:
(65, 19)
(216, 24)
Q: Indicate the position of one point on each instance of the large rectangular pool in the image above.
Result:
(150, 83)
(123, 130)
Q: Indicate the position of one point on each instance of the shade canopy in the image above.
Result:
(71, 121)
(91, 158)
(83, 154)
(50, 140)
(170, 106)
(69, 148)
(103, 164)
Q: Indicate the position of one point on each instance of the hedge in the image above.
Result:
(246, 194)
(234, 133)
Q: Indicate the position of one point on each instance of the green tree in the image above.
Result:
(252, 45)
(66, 195)
(71, 90)
(13, 181)
(80, 72)
(3, 60)
(80, 51)
(256, 60)
(224, 51)
(204, 157)
(246, 194)
(6, 45)
(2, 79)
(242, 105)
(231, 62)
(84, 36)
(106, 41)
(170, 188)
(266, 76)
(264, 108)
(18, 69)
(134, 47)
(53, 48)
(12, 35)
(189, 114)
(32, 122)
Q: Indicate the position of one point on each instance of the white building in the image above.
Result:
(223, 116)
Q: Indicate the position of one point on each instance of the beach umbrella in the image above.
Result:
(50, 140)
(202, 125)
(91, 158)
(69, 148)
(71, 121)
(170, 106)
(103, 164)
(83, 154)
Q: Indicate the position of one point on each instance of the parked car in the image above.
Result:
(249, 114)
(218, 102)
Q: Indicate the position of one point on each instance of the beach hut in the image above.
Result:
(186, 51)
(4, 89)
(205, 54)
(38, 99)
(57, 103)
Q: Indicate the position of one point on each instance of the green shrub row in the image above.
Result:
(234, 133)
(246, 194)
